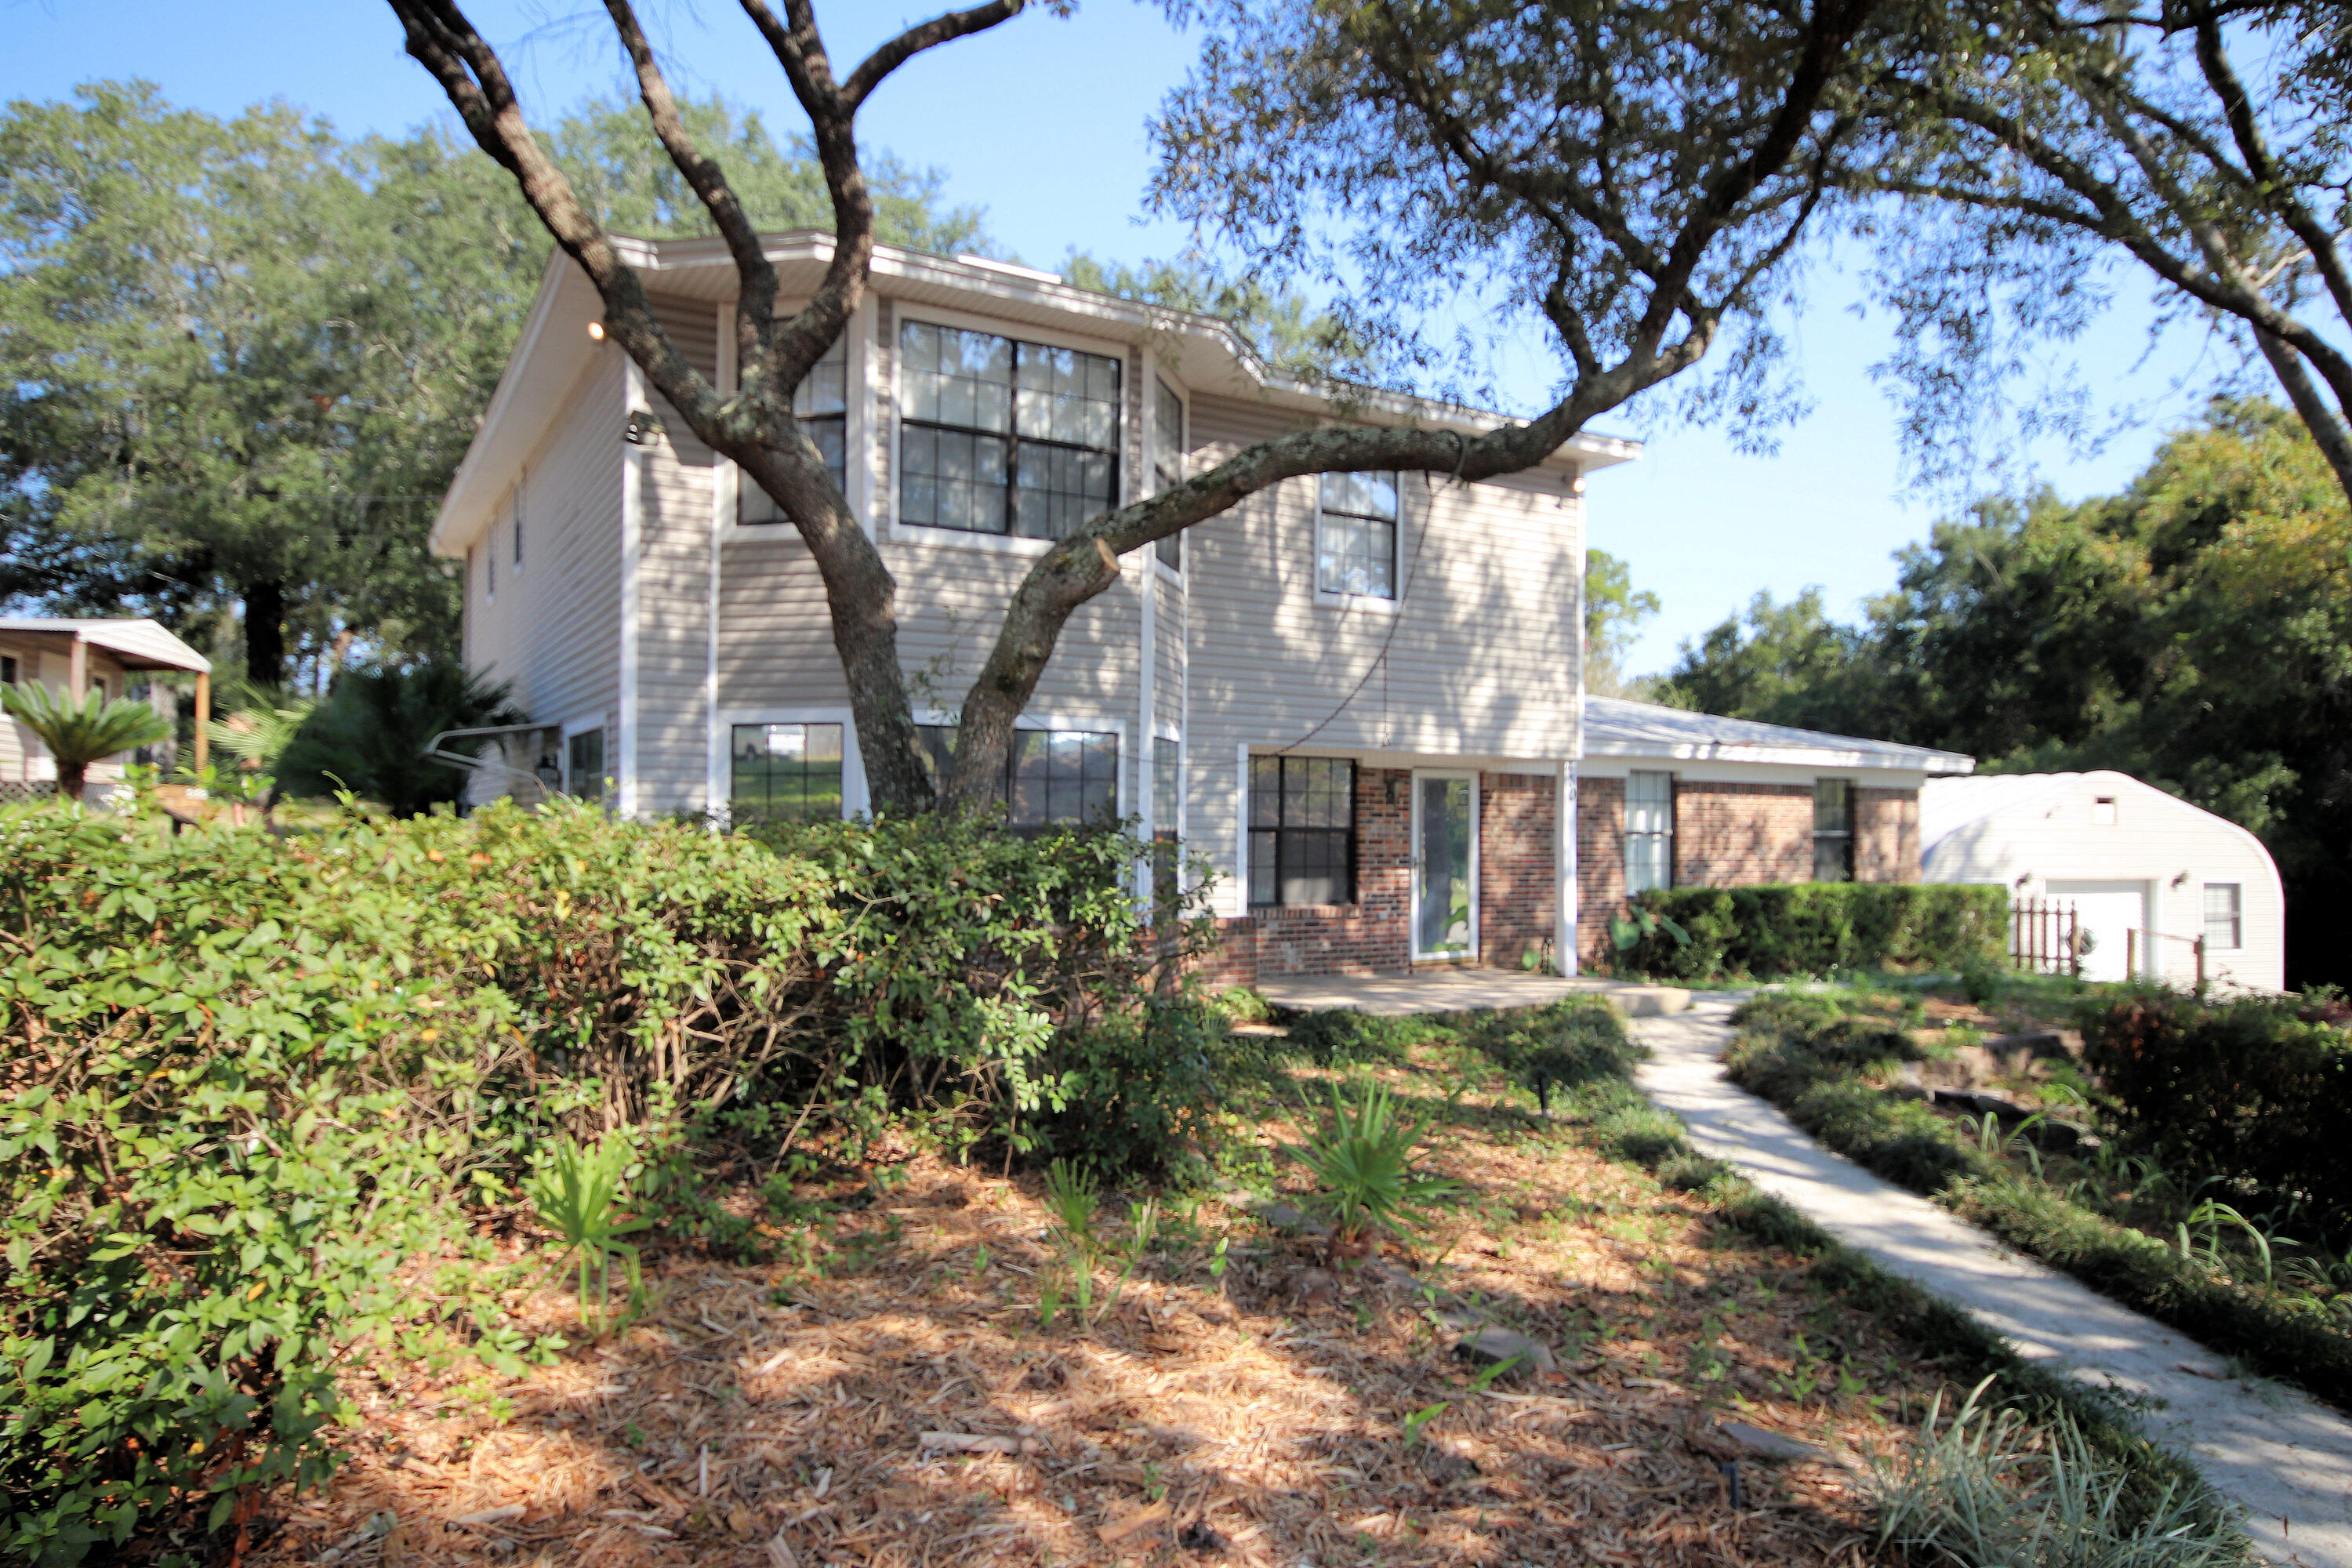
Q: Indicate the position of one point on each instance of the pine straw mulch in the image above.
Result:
(777, 1419)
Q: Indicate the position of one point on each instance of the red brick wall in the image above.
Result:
(1885, 835)
(1599, 865)
(1370, 936)
(1517, 910)
(1737, 835)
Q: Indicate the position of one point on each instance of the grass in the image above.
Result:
(1833, 1061)
(885, 1388)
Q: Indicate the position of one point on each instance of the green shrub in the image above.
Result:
(1811, 928)
(2257, 1090)
(1335, 1036)
(372, 731)
(1567, 1043)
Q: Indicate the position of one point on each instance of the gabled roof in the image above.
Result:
(1204, 352)
(1615, 727)
(137, 644)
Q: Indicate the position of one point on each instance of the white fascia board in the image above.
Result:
(547, 361)
(1710, 770)
(1635, 753)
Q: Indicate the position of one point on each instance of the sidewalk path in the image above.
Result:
(2286, 1459)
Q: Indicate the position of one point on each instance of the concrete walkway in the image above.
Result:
(1448, 989)
(2286, 1459)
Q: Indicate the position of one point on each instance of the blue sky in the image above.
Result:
(1042, 123)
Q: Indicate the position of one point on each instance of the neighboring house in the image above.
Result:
(1358, 698)
(116, 657)
(2146, 873)
(1666, 797)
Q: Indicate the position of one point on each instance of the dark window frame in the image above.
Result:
(1011, 436)
(1350, 516)
(573, 762)
(1285, 840)
(820, 424)
(937, 746)
(1838, 840)
(803, 769)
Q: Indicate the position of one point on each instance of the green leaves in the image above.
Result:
(1362, 1161)
(86, 731)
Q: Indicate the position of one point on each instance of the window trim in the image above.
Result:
(855, 799)
(1625, 835)
(885, 512)
(803, 724)
(2237, 917)
(857, 390)
(1180, 464)
(1418, 954)
(1124, 797)
(1335, 597)
(1250, 830)
(1851, 832)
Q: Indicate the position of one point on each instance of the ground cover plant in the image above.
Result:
(2117, 1168)
(903, 1379)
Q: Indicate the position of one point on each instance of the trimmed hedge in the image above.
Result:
(2258, 1089)
(1811, 928)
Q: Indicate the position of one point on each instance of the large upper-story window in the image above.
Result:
(1302, 830)
(821, 402)
(1051, 776)
(1832, 830)
(1168, 459)
(1649, 832)
(997, 436)
(1356, 536)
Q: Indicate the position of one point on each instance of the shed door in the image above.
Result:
(2109, 912)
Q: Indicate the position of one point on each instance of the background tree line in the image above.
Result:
(2194, 630)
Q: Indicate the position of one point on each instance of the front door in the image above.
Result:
(1444, 864)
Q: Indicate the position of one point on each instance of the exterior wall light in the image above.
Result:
(641, 428)
(596, 331)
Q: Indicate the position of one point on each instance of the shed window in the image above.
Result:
(821, 402)
(1302, 836)
(583, 764)
(2224, 917)
(1004, 436)
(1832, 830)
(1356, 535)
(2103, 811)
(1649, 831)
(1051, 776)
(1168, 460)
(785, 773)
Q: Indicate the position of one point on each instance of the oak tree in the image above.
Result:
(1629, 177)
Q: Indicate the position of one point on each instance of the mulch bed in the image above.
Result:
(907, 1409)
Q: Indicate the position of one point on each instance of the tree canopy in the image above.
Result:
(2194, 630)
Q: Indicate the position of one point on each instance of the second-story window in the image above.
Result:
(821, 402)
(1168, 460)
(1002, 436)
(1356, 536)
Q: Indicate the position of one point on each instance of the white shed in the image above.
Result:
(2146, 872)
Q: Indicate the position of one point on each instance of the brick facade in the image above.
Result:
(1599, 865)
(1885, 835)
(1518, 913)
(1738, 834)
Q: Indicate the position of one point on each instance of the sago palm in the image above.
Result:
(80, 733)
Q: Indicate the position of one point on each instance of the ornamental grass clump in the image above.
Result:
(1361, 1158)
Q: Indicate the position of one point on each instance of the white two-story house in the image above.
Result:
(1358, 698)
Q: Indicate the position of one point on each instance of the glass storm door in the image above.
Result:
(1444, 864)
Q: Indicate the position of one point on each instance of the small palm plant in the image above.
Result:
(80, 733)
(1362, 1161)
(579, 1193)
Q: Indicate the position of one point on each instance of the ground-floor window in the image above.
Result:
(1649, 832)
(785, 773)
(1302, 834)
(1832, 830)
(2224, 917)
(1051, 776)
(583, 769)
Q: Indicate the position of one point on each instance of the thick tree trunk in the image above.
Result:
(265, 633)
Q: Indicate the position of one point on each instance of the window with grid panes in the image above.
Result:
(1832, 830)
(1168, 460)
(1302, 830)
(583, 769)
(2224, 917)
(821, 402)
(1356, 535)
(1051, 777)
(784, 773)
(997, 436)
(1649, 831)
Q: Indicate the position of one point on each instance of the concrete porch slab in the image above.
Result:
(1460, 990)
